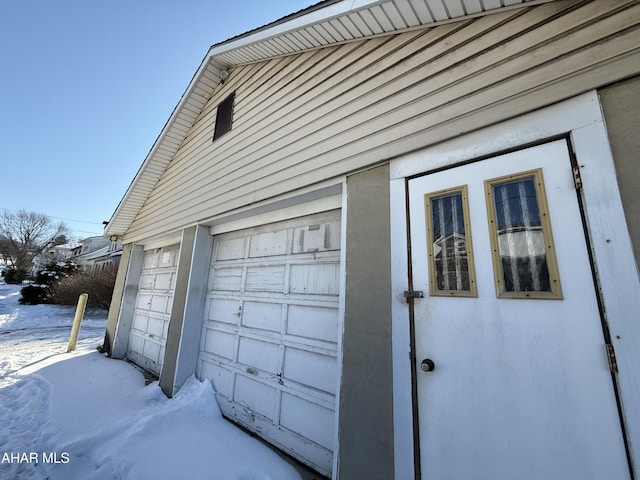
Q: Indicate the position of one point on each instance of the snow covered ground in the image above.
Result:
(83, 416)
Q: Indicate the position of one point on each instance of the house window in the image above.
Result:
(224, 116)
(524, 257)
(451, 270)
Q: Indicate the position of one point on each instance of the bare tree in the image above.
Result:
(24, 235)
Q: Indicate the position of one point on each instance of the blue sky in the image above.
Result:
(86, 87)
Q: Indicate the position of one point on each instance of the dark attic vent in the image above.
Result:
(224, 116)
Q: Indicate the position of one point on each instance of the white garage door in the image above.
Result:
(153, 308)
(270, 332)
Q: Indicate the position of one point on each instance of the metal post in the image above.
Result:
(75, 330)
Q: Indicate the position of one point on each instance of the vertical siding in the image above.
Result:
(621, 107)
(304, 118)
(366, 399)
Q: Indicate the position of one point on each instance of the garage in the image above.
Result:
(270, 332)
(148, 334)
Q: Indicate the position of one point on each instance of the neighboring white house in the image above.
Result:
(400, 239)
(88, 251)
(94, 254)
(110, 257)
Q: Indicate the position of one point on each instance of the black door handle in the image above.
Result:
(427, 365)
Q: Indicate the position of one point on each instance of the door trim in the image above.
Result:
(580, 119)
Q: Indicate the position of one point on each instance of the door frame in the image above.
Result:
(580, 120)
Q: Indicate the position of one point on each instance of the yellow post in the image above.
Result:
(75, 330)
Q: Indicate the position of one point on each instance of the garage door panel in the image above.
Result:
(138, 358)
(268, 244)
(146, 282)
(139, 322)
(222, 379)
(295, 414)
(159, 304)
(156, 327)
(136, 342)
(319, 279)
(220, 344)
(230, 249)
(151, 350)
(164, 281)
(150, 261)
(317, 238)
(265, 279)
(168, 258)
(262, 316)
(145, 352)
(313, 322)
(260, 354)
(256, 396)
(311, 368)
(226, 279)
(223, 310)
(283, 438)
(143, 301)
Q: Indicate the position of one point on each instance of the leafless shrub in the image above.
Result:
(98, 285)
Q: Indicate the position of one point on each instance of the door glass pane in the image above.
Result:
(524, 258)
(449, 243)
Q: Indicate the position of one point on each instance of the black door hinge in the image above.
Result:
(577, 179)
(611, 354)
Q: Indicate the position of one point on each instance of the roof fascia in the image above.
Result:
(302, 20)
(195, 82)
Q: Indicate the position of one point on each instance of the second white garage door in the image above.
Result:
(269, 341)
(153, 308)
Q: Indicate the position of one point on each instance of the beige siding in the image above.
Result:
(308, 117)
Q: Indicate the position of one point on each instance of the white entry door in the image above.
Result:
(512, 374)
